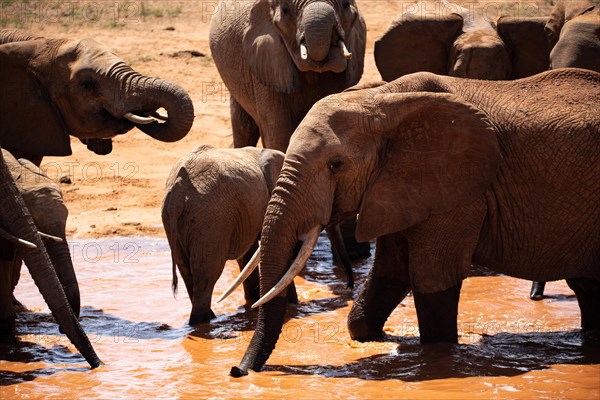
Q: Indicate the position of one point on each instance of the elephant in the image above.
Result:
(44, 201)
(53, 88)
(453, 42)
(20, 238)
(573, 31)
(212, 212)
(278, 57)
(445, 172)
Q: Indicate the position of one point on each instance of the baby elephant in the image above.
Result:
(212, 212)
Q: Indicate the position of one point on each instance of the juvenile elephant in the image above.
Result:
(44, 202)
(573, 32)
(19, 238)
(454, 41)
(53, 88)
(278, 57)
(212, 212)
(445, 172)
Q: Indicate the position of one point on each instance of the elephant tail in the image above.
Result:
(175, 280)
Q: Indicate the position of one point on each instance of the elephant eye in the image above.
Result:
(335, 165)
(89, 85)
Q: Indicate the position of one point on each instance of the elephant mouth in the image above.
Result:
(336, 60)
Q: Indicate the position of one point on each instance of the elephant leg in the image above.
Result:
(355, 249)
(245, 131)
(386, 286)
(588, 297)
(437, 314)
(340, 254)
(206, 268)
(251, 284)
(537, 290)
(7, 310)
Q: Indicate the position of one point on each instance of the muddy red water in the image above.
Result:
(510, 346)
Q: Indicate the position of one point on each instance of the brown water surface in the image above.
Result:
(510, 346)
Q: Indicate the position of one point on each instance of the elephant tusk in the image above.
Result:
(305, 251)
(54, 239)
(15, 240)
(345, 52)
(303, 52)
(248, 269)
(159, 116)
(136, 119)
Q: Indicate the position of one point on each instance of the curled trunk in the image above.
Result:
(142, 95)
(319, 20)
(15, 218)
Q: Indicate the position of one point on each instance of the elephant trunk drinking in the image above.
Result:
(15, 218)
(278, 239)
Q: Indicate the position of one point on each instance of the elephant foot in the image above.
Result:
(201, 318)
(537, 291)
(588, 297)
(237, 372)
(437, 314)
(8, 332)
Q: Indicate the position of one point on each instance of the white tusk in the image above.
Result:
(345, 52)
(159, 116)
(50, 237)
(248, 269)
(303, 52)
(136, 119)
(307, 247)
(15, 240)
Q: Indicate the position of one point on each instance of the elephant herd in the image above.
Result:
(483, 147)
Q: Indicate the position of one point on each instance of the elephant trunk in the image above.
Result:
(283, 225)
(63, 264)
(142, 95)
(15, 218)
(319, 23)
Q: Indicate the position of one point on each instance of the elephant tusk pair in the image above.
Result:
(310, 240)
(248, 269)
(15, 240)
(136, 119)
(341, 45)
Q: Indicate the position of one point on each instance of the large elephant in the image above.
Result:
(573, 31)
(44, 202)
(454, 41)
(445, 172)
(19, 238)
(278, 57)
(53, 88)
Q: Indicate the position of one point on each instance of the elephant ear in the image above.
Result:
(414, 43)
(439, 153)
(30, 122)
(526, 42)
(266, 53)
(356, 41)
(271, 162)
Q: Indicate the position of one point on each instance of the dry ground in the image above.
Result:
(121, 193)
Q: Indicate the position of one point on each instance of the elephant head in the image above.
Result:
(44, 202)
(53, 88)
(394, 159)
(285, 38)
(17, 222)
(564, 11)
(438, 44)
